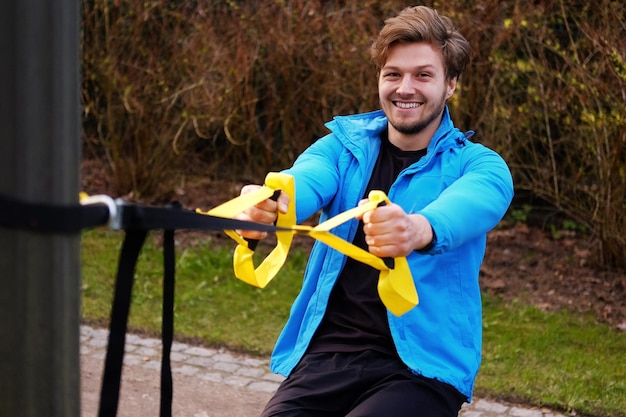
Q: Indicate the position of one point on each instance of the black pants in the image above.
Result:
(360, 384)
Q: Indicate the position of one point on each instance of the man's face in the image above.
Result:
(413, 90)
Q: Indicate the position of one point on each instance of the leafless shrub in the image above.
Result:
(549, 92)
(237, 88)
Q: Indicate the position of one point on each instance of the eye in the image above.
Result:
(391, 74)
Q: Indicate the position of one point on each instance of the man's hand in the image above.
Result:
(265, 212)
(390, 232)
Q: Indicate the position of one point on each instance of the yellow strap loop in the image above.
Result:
(395, 285)
(243, 263)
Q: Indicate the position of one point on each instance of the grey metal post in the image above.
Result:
(39, 162)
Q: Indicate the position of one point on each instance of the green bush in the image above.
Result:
(236, 88)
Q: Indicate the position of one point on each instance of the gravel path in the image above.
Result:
(207, 382)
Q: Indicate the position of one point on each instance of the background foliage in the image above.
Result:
(178, 89)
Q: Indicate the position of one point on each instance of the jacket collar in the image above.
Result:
(357, 130)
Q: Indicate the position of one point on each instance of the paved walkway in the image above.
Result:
(246, 374)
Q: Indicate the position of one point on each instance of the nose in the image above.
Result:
(405, 86)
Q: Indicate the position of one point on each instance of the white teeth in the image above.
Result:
(407, 105)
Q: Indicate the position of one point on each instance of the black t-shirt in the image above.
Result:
(356, 318)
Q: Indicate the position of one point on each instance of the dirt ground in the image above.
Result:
(527, 264)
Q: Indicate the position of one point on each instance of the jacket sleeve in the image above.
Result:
(316, 176)
(474, 203)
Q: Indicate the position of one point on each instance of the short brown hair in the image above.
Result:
(423, 24)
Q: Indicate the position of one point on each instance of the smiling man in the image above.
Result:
(342, 351)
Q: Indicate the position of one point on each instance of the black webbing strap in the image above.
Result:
(167, 325)
(110, 390)
(50, 218)
(167, 322)
(154, 218)
(111, 380)
(69, 219)
(136, 220)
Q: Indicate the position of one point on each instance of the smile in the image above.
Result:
(403, 105)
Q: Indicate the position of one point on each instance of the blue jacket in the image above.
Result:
(461, 187)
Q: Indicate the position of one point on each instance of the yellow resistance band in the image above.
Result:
(395, 284)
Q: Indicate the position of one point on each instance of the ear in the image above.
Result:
(451, 87)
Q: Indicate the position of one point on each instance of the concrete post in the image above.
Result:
(39, 162)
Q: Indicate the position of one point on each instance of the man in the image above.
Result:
(342, 352)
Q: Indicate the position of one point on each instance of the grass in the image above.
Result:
(211, 305)
(559, 360)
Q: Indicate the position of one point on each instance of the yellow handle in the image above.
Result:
(243, 263)
(395, 285)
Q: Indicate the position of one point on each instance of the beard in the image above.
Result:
(413, 127)
(417, 126)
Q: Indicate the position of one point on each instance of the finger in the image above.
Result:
(375, 216)
(252, 234)
(249, 234)
(269, 206)
(385, 251)
(283, 202)
(363, 201)
(366, 217)
(375, 238)
(249, 188)
(263, 213)
(385, 213)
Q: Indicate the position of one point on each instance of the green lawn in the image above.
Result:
(560, 360)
